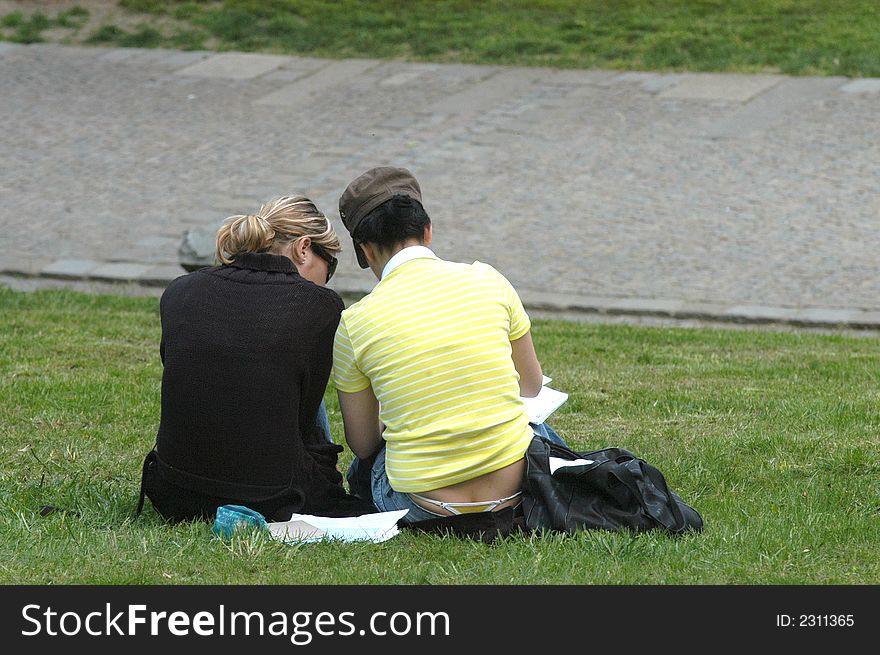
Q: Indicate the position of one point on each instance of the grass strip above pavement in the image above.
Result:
(771, 435)
(797, 37)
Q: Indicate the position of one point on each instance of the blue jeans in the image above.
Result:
(544, 430)
(324, 423)
(368, 479)
(377, 488)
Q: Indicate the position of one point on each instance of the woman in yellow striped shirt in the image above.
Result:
(431, 365)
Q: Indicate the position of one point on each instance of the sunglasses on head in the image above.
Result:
(327, 257)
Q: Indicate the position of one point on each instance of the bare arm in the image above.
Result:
(525, 360)
(360, 415)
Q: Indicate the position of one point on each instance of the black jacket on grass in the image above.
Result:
(247, 350)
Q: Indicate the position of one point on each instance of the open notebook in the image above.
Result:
(545, 403)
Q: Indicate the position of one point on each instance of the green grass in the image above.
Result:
(799, 37)
(144, 37)
(772, 436)
(21, 28)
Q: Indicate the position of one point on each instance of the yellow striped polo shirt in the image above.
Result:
(433, 340)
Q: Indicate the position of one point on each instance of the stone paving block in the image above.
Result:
(300, 93)
(500, 87)
(150, 57)
(156, 242)
(727, 86)
(823, 316)
(628, 78)
(134, 56)
(197, 247)
(9, 264)
(399, 121)
(783, 103)
(74, 268)
(234, 66)
(329, 204)
(760, 313)
(645, 306)
(149, 250)
(17, 265)
(116, 55)
(405, 77)
(148, 256)
(67, 51)
(286, 75)
(177, 60)
(24, 264)
(545, 300)
(312, 165)
(119, 271)
(305, 63)
(660, 83)
(866, 320)
(701, 310)
(867, 85)
(578, 77)
(161, 274)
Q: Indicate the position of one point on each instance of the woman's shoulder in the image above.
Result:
(180, 286)
(485, 269)
(476, 269)
(480, 274)
(327, 298)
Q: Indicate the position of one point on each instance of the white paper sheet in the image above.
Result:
(544, 404)
(558, 463)
(369, 527)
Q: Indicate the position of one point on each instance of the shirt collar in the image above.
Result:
(263, 261)
(406, 255)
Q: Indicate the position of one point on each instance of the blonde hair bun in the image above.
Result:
(278, 222)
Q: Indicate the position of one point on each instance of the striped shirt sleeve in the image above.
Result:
(346, 375)
(519, 320)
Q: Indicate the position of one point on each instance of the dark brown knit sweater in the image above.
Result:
(247, 350)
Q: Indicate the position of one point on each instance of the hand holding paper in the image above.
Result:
(544, 404)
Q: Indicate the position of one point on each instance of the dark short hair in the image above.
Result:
(393, 222)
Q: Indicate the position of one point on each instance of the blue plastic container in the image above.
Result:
(230, 517)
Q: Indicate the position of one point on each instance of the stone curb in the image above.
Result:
(147, 275)
(814, 317)
(86, 270)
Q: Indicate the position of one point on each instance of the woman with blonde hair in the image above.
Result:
(247, 350)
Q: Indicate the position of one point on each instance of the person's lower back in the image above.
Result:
(489, 492)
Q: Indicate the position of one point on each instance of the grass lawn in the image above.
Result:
(800, 37)
(772, 436)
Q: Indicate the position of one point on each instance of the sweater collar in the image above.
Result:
(264, 261)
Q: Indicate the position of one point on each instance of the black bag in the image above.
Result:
(612, 490)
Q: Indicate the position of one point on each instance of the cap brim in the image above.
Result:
(362, 259)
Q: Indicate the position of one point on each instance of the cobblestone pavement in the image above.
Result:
(740, 197)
